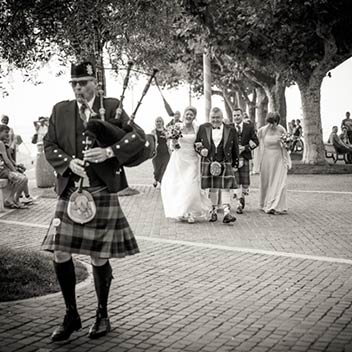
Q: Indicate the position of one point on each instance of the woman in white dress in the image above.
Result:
(274, 162)
(181, 194)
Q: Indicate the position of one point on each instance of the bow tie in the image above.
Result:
(216, 128)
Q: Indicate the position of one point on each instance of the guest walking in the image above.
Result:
(162, 155)
(248, 141)
(274, 161)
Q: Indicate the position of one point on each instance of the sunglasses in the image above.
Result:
(82, 83)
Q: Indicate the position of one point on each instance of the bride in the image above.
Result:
(181, 194)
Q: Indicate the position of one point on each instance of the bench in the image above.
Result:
(3, 184)
(331, 152)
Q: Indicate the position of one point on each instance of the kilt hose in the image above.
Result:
(108, 235)
(242, 175)
(226, 180)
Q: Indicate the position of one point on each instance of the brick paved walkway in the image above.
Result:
(268, 283)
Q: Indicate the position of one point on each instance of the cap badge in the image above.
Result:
(89, 69)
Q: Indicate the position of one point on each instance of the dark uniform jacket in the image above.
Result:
(228, 147)
(60, 145)
(247, 134)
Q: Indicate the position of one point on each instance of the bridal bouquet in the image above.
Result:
(286, 140)
(173, 133)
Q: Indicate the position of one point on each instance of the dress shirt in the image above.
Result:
(87, 111)
(217, 135)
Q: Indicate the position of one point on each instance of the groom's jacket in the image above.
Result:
(227, 150)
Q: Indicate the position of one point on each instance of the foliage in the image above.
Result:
(287, 36)
(287, 40)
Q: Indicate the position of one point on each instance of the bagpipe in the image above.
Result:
(104, 133)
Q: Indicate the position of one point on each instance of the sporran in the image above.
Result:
(216, 168)
(81, 207)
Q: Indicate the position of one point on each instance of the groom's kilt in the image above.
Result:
(226, 180)
(107, 235)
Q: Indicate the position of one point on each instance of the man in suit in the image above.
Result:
(218, 146)
(248, 141)
(108, 234)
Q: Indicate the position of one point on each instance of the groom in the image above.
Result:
(218, 146)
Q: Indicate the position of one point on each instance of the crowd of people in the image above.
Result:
(207, 167)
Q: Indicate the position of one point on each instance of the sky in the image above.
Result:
(27, 102)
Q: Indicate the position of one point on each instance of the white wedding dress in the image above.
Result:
(180, 188)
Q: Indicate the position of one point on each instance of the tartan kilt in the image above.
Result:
(226, 180)
(242, 174)
(107, 235)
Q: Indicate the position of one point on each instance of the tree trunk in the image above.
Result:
(277, 99)
(251, 111)
(262, 106)
(252, 105)
(44, 172)
(228, 111)
(207, 84)
(241, 103)
(312, 128)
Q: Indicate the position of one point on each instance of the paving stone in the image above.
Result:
(176, 296)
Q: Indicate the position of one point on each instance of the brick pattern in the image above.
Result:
(317, 224)
(177, 298)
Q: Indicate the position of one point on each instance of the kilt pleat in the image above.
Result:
(108, 235)
(226, 180)
(242, 175)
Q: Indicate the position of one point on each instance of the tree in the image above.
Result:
(297, 40)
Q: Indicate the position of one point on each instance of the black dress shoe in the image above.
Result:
(100, 328)
(243, 202)
(70, 324)
(213, 217)
(228, 219)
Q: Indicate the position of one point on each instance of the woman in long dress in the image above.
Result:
(181, 194)
(162, 156)
(274, 162)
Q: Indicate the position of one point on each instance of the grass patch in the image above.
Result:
(28, 273)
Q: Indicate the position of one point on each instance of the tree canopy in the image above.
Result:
(253, 43)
